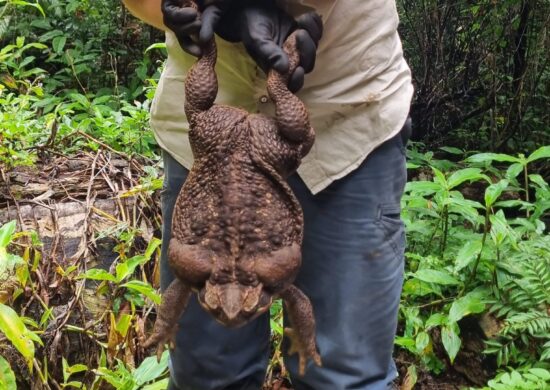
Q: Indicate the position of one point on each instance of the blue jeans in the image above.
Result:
(352, 271)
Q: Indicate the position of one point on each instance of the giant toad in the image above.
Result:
(237, 226)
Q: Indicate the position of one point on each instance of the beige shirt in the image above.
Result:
(358, 95)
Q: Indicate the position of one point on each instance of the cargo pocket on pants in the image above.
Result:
(389, 218)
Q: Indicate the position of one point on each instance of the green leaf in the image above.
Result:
(77, 368)
(514, 170)
(15, 330)
(158, 45)
(98, 274)
(64, 365)
(120, 379)
(405, 342)
(423, 187)
(439, 177)
(81, 99)
(462, 175)
(8, 263)
(144, 289)
(542, 152)
(493, 192)
(417, 287)
(123, 324)
(153, 245)
(539, 180)
(29, 4)
(58, 43)
(435, 276)
(469, 251)
(160, 385)
(487, 157)
(74, 384)
(514, 203)
(540, 373)
(50, 35)
(150, 369)
(468, 304)
(123, 270)
(500, 230)
(451, 341)
(7, 377)
(452, 150)
(6, 233)
(436, 319)
(422, 341)
(467, 212)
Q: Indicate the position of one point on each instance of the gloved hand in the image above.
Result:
(263, 28)
(259, 24)
(186, 23)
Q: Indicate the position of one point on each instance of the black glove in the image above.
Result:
(259, 24)
(263, 28)
(186, 24)
(263, 32)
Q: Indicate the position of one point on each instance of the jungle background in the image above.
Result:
(80, 181)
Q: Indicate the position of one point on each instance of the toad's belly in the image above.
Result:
(237, 211)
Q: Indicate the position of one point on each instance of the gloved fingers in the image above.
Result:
(307, 50)
(189, 46)
(175, 15)
(312, 23)
(184, 22)
(267, 54)
(188, 29)
(296, 81)
(210, 18)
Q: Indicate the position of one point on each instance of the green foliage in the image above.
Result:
(523, 379)
(145, 377)
(13, 327)
(469, 256)
(78, 74)
(7, 377)
(132, 289)
(120, 288)
(51, 91)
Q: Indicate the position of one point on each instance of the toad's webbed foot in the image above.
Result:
(302, 333)
(174, 301)
(304, 351)
(162, 335)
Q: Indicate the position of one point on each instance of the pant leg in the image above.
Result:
(208, 355)
(352, 271)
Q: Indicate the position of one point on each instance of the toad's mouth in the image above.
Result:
(234, 304)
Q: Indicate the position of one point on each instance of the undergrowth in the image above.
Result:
(477, 228)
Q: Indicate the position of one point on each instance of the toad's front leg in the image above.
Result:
(302, 333)
(174, 302)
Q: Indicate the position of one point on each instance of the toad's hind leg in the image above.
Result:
(290, 112)
(201, 85)
(302, 333)
(174, 302)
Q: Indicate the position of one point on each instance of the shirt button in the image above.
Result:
(264, 99)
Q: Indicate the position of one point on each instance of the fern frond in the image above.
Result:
(536, 323)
